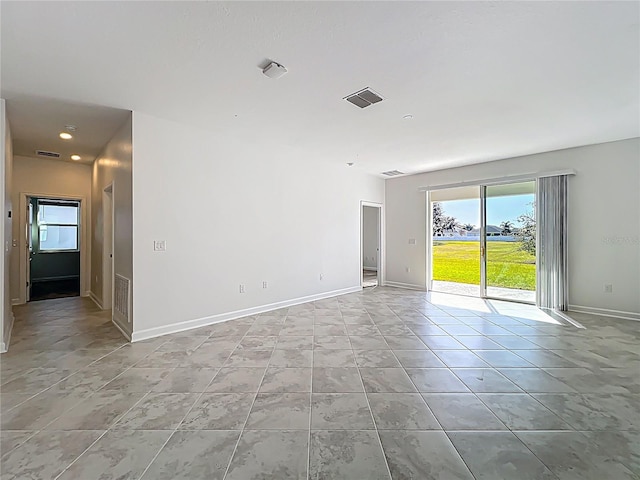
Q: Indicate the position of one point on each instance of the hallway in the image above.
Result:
(380, 384)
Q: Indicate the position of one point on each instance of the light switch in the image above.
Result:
(159, 245)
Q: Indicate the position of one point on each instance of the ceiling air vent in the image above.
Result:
(393, 173)
(363, 98)
(44, 153)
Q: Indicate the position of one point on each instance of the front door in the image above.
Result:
(54, 249)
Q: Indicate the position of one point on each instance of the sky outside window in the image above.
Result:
(499, 209)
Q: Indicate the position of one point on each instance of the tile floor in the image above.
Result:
(375, 385)
(369, 278)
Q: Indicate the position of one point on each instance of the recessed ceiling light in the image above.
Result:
(75, 157)
(408, 117)
(65, 136)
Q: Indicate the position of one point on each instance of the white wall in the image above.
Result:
(604, 220)
(370, 238)
(230, 218)
(6, 166)
(113, 166)
(50, 178)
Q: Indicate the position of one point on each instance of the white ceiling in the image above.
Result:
(36, 123)
(482, 80)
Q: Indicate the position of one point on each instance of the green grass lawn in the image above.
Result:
(507, 265)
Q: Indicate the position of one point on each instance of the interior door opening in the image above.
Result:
(53, 248)
(371, 245)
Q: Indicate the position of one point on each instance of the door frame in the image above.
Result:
(108, 258)
(380, 263)
(482, 293)
(83, 241)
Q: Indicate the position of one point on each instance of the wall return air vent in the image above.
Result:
(364, 98)
(393, 173)
(44, 153)
(122, 298)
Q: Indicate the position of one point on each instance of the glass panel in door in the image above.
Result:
(510, 239)
(455, 241)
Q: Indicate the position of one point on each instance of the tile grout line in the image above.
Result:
(429, 408)
(83, 452)
(110, 427)
(124, 414)
(242, 430)
(201, 394)
(373, 419)
(313, 341)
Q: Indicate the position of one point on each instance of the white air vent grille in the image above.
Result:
(364, 98)
(44, 153)
(393, 173)
(121, 298)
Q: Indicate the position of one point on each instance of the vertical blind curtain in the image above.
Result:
(551, 214)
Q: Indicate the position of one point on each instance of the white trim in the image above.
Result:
(4, 346)
(15, 301)
(605, 312)
(407, 286)
(85, 238)
(93, 297)
(559, 313)
(121, 330)
(381, 244)
(108, 191)
(223, 317)
(499, 180)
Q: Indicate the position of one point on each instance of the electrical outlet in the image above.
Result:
(264, 284)
(241, 288)
(408, 270)
(608, 288)
(159, 245)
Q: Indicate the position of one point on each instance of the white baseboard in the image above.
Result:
(95, 299)
(122, 331)
(408, 286)
(4, 345)
(223, 317)
(605, 312)
(16, 301)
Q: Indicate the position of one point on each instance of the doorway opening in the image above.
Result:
(53, 238)
(107, 247)
(483, 241)
(370, 261)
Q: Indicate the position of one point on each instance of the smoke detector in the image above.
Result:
(274, 70)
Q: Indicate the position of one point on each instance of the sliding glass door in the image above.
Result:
(484, 241)
(455, 242)
(508, 243)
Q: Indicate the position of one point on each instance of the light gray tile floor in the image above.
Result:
(383, 384)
